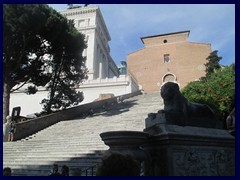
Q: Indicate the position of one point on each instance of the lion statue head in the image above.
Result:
(169, 90)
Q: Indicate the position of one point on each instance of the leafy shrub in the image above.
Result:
(217, 91)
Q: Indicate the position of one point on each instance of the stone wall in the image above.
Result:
(32, 126)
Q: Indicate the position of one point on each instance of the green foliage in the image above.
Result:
(22, 26)
(213, 63)
(68, 69)
(37, 37)
(218, 91)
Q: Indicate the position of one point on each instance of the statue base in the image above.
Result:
(189, 151)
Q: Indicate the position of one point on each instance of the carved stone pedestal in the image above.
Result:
(189, 151)
(126, 142)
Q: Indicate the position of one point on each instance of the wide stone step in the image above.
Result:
(43, 162)
(43, 155)
(70, 152)
(58, 139)
(54, 158)
(88, 153)
(56, 148)
(49, 146)
(91, 152)
(62, 141)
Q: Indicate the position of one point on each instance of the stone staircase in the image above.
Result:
(76, 143)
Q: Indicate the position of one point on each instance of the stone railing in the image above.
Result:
(29, 127)
(107, 80)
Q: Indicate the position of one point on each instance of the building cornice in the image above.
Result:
(167, 34)
(80, 10)
(87, 10)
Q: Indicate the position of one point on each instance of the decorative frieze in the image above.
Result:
(79, 12)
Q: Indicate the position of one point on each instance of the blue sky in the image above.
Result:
(208, 23)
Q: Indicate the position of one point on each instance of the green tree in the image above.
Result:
(20, 30)
(213, 63)
(68, 71)
(34, 38)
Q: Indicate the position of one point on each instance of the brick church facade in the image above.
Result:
(168, 57)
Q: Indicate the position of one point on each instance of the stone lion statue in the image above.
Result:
(178, 110)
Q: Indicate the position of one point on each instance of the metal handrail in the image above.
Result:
(87, 169)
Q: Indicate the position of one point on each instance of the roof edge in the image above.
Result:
(179, 32)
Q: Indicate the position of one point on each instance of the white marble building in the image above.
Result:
(103, 75)
(89, 21)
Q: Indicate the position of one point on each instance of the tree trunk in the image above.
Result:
(6, 100)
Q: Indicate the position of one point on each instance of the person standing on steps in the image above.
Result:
(65, 170)
(230, 122)
(54, 171)
(5, 128)
(11, 128)
(7, 171)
